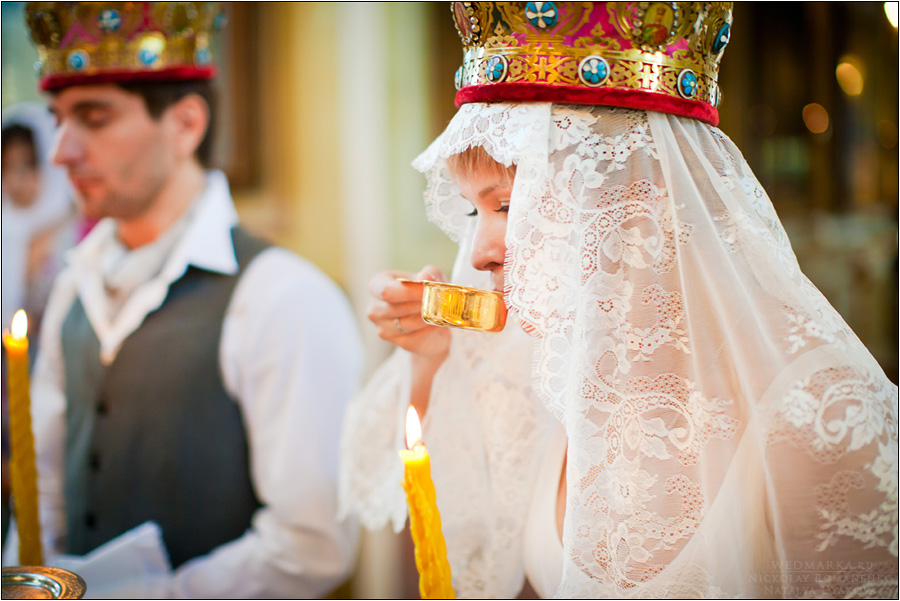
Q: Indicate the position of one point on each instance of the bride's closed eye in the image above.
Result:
(504, 208)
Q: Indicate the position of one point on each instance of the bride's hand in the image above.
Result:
(397, 313)
(396, 310)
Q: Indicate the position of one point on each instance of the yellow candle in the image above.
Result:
(23, 471)
(424, 519)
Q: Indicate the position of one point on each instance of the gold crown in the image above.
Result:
(97, 42)
(649, 55)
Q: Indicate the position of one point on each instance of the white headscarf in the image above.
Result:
(728, 434)
(53, 202)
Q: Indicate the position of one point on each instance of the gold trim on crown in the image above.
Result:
(81, 39)
(668, 48)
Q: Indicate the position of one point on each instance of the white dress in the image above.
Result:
(543, 548)
(729, 436)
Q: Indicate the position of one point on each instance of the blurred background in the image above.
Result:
(324, 105)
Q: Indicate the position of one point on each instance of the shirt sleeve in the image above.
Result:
(291, 356)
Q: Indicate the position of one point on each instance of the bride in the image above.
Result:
(673, 410)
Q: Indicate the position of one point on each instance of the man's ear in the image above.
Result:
(189, 121)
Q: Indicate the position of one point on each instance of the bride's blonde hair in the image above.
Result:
(476, 158)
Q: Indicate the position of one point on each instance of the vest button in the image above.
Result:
(94, 461)
(90, 520)
(102, 407)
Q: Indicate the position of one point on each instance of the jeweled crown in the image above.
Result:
(101, 42)
(661, 56)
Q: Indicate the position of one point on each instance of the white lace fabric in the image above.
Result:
(728, 434)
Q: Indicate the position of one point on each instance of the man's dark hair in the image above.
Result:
(19, 133)
(158, 96)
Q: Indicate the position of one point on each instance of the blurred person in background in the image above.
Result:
(36, 201)
(188, 394)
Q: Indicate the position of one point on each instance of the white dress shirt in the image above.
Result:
(291, 357)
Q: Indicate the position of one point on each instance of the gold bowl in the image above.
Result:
(461, 307)
(40, 582)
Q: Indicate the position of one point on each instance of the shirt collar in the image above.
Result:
(207, 242)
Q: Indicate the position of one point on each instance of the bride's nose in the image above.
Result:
(489, 246)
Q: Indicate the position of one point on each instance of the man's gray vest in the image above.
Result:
(155, 436)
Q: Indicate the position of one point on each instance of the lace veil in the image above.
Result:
(728, 434)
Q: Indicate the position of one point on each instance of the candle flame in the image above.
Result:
(413, 428)
(20, 324)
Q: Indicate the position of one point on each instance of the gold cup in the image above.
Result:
(461, 307)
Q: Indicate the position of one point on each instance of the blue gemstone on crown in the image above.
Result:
(78, 60)
(542, 15)
(202, 56)
(496, 69)
(109, 20)
(687, 83)
(147, 56)
(722, 39)
(593, 71)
